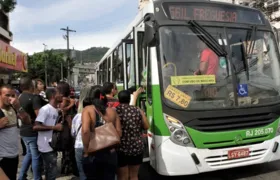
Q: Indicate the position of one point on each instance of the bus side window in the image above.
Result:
(130, 69)
(115, 64)
(109, 68)
(120, 71)
(141, 59)
(149, 77)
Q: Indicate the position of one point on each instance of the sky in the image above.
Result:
(97, 22)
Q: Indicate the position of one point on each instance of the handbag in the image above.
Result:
(104, 137)
(61, 140)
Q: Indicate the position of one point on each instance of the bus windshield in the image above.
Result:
(195, 77)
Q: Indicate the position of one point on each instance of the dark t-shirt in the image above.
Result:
(43, 102)
(30, 103)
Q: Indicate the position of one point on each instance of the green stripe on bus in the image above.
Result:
(160, 128)
(232, 138)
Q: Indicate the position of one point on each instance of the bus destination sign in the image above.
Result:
(212, 13)
(202, 14)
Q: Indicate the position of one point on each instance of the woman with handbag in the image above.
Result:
(101, 131)
(84, 101)
(131, 150)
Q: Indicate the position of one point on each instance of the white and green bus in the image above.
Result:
(212, 78)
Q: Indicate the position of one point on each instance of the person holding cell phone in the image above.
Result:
(10, 111)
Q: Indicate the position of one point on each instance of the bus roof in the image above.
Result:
(136, 22)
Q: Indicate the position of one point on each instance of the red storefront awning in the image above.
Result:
(11, 58)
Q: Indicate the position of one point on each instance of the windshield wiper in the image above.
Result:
(252, 43)
(244, 59)
(207, 38)
(247, 54)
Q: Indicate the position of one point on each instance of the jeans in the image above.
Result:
(10, 167)
(102, 166)
(50, 165)
(32, 157)
(23, 147)
(79, 157)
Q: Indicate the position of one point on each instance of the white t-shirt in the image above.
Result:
(131, 100)
(47, 116)
(76, 131)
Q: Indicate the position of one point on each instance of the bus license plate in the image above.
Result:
(238, 153)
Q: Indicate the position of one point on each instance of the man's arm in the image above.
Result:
(86, 124)
(3, 122)
(37, 104)
(40, 121)
(40, 127)
(203, 67)
(71, 104)
(25, 118)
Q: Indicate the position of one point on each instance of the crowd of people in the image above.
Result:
(49, 121)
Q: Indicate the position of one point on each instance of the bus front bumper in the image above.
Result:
(175, 160)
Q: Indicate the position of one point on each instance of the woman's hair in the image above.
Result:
(97, 98)
(132, 89)
(36, 82)
(84, 94)
(124, 97)
(64, 88)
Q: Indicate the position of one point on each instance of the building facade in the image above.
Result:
(12, 60)
(142, 3)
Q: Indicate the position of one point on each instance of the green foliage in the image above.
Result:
(260, 5)
(8, 5)
(36, 62)
(36, 65)
(91, 55)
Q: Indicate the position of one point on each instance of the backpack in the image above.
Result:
(62, 140)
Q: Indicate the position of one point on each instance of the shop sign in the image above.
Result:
(11, 58)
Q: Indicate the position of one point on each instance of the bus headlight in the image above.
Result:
(178, 132)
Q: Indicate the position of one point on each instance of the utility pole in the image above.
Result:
(46, 73)
(61, 70)
(68, 52)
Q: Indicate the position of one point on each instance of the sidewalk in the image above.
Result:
(59, 177)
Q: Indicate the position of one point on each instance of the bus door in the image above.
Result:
(141, 77)
(129, 69)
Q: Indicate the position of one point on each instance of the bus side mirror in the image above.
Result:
(150, 34)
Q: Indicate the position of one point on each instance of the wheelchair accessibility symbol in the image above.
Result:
(242, 90)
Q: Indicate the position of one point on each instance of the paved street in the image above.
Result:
(269, 171)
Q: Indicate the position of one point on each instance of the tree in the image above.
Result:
(261, 5)
(8, 5)
(36, 65)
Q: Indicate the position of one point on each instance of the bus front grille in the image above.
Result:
(214, 124)
(223, 160)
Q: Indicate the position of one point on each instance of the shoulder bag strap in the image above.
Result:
(79, 129)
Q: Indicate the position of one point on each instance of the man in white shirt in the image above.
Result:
(45, 124)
